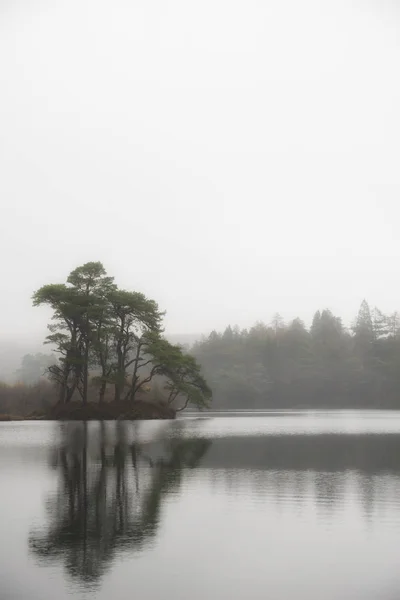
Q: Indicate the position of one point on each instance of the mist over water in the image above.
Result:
(295, 505)
(235, 164)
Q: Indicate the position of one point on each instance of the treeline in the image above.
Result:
(289, 365)
(20, 399)
(113, 339)
(34, 368)
(32, 390)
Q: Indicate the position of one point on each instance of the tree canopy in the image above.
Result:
(289, 365)
(114, 338)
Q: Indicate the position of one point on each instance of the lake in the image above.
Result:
(274, 505)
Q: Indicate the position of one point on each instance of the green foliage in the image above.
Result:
(185, 378)
(118, 335)
(285, 366)
(363, 327)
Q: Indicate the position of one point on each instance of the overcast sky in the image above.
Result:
(228, 158)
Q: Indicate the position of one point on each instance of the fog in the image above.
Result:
(229, 159)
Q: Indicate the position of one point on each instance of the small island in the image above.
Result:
(113, 361)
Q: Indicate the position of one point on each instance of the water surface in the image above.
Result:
(279, 505)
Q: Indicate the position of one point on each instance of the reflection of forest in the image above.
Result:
(327, 471)
(110, 492)
(369, 453)
(114, 477)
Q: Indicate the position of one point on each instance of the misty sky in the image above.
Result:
(230, 159)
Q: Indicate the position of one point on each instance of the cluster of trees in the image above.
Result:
(288, 365)
(113, 338)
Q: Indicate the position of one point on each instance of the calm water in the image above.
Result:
(294, 505)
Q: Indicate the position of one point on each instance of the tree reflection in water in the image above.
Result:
(110, 492)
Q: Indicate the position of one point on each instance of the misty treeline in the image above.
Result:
(32, 390)
(22, 399)
(34, 368)
(288, 365)
(112, 339)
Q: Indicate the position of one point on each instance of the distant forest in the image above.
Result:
(288, 365)
(277, 365)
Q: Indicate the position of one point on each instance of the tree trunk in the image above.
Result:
(184, 406)
(120, 376)
(132, 391)
(64, 383)
(85, 373)
(61, 397)
(102, 392)
(118, 389)
(70, 393)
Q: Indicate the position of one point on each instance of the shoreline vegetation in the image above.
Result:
(111, 360)
(288, 365)
(109, 411)
(108, 350)
(20, 402)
